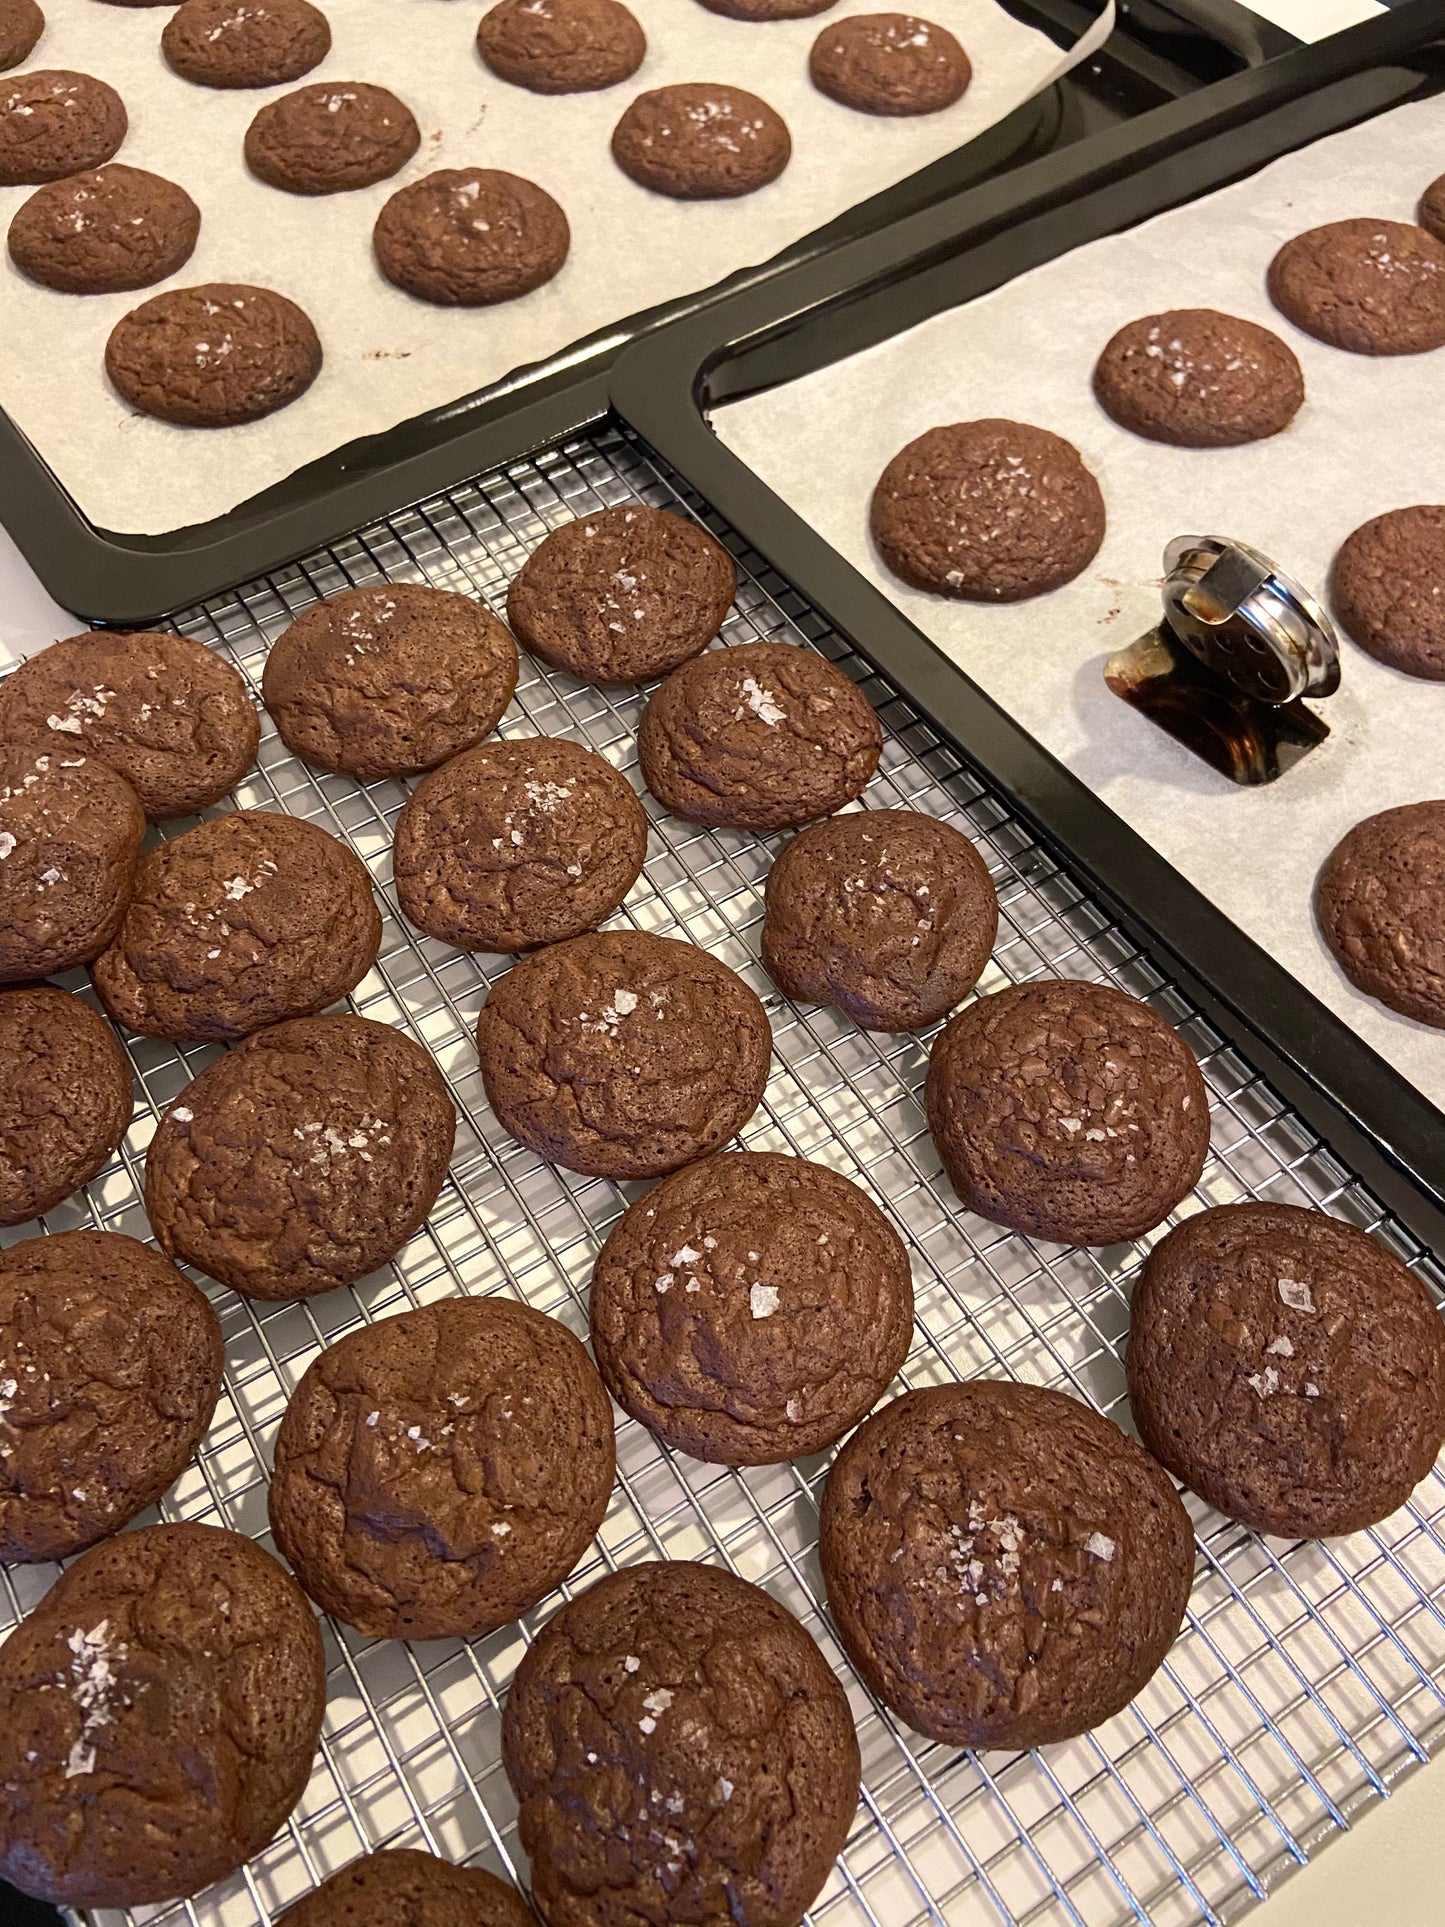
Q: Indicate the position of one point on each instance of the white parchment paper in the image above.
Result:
(1370, 437)
(389, 357)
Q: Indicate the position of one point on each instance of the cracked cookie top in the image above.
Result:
(65, 1098)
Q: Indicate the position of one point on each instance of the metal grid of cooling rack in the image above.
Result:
(1307, 1676)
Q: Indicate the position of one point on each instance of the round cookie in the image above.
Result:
(561, 46)
(1432, 208)
(21, 25)
(1199, 379)
(302, 1159)
(331, 137)
(410, 1889)
(245, 920)
(65, 1098)
(54, 123)
(70, 835)
(1067, 1110)
(439, 1472)
(260, 44)
(889, 63)
(104, 232)
(110, 1368)
(163, 711)
(1374, 287)
(518, 844)
(680, 1750)
(193, 1685)
(389, 681)
(762, 736)
(1287, 1368)
(987, 511)
(465, 237)
(1381, 908)
(623, 1055)
(1005, 1568)
(173, 358)
(768, 9)
(701, 141)
(1388, 589)
(751, 1308)
(889, 914)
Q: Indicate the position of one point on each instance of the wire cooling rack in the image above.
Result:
(1307, 1676)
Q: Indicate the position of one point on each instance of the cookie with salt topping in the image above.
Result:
(1199, 379)
(701, 141)
(1373, 287)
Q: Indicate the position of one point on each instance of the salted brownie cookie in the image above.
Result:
(1004, 1567)
(1374, 287)
(761, 736)
(105, 231)
(331, 137)
(245, 43)
(680, 1750)
(751, 1308)
(162, 710)
(213, 356)
(1067, 1110)
(110, 1368)
(70, 834)
(302, 1159)
(517, 844)
(889, 914)
(192, 1685)
(465, 237)
(623, 594)
(21, 25)
(889, 63)
(623, 1055)
(1388, 589)
(244, 920)
(1287, 1368)
(1381, 908)
(407, 1889)
(1199, 379)
(65, 1098)
(54, 123)
(561, 46)
(390, 680)
(1432, 208)
(987, 511)
(768, 9)
(439, 1472)
(701, 141)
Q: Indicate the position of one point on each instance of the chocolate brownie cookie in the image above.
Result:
(331, 137)
(1004, 1566)
(21, 25)
(163, 711)
(1067, 1110)
(889, 914)
(768, 9)
(751, 1308)
(389, 681)
(439, 1472)
(987, 511)
(623, 1055)
(1199, 379)
(1432, 208)
(104, 232)
(65, 1098)
(242, 921)
(1287, 1368)
(518, 844)
(465, 237)
(561, 46)
(302, 1159)
(623, 594)
(762, 736)
(70, 834)
(192, 1684)
(1374, 287)
(680, 1750)
(407, 1889)
(1388, 589)
(701, 141)
(110, 1368)
(1381, 908)
(54, 123)
(245, 43)
(213, 356)
(889, 63)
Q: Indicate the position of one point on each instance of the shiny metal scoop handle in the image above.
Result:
(1248, 621)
